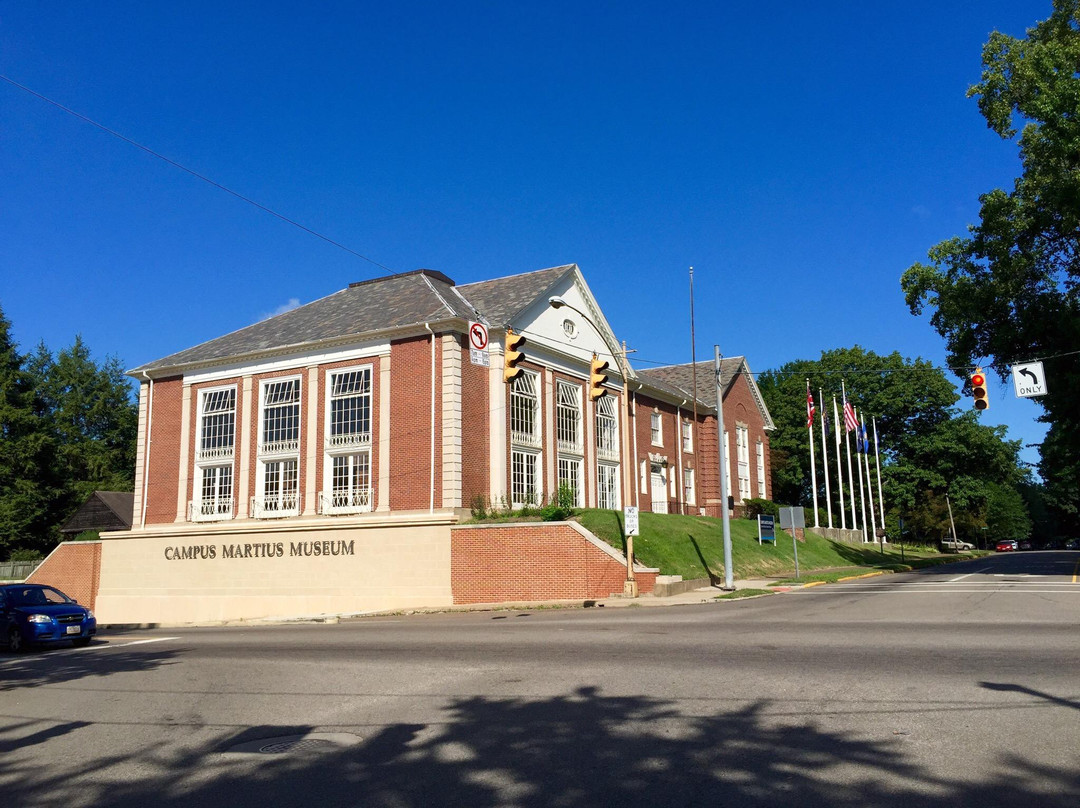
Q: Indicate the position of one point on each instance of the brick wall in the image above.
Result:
(410, 424)
(75, 569)
(475, 432)
(164, 467)
(533, 562)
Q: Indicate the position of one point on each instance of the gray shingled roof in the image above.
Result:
(368, 307)
(501, 299)
(679, 379)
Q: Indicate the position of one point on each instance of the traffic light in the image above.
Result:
(514, 356)
(597, 377)
(978, 390)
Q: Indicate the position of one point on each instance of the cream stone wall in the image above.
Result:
(378, 567)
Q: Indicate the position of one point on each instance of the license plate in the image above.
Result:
(74, 629)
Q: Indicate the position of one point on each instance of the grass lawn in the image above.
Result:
(693, 547)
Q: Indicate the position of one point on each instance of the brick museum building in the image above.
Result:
(323, 460)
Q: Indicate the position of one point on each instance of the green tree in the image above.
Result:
(928, 450)
(1010, 289)
(26, 452)
(907, 398)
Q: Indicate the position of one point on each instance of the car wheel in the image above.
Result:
(82, 642)
(15, 641)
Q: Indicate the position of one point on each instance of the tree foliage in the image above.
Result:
(1010, 290)
(69, 428)
(927, 448)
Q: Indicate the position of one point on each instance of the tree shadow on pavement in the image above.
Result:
(577, 749)
(63, 665)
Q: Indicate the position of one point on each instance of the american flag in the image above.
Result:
(850, 421)
(809, 407)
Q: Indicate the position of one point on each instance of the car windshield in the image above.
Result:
(36, 596)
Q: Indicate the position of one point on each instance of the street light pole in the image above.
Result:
(630, 586)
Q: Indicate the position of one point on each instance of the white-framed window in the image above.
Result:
(350, 484)
(525, 410)
(524, 477)
(688, 486)
(742, 447)
(280, 416)
(348, 408)
(215, 448)
(607, 429)
(214, 494)
(278, 481)
(761, 470)
(657, 429)
(347, 486)
(687, 428)
(607, 486)
(568, 417)
(217, 424)
(727, 462)
(570, 476)
(280, 484)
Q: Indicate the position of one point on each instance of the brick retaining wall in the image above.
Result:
(534, 562)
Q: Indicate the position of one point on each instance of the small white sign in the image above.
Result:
(481, 358)
(630, 519)
(1028, 380)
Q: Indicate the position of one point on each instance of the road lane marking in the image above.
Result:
(1076, 571)
(133, 642)
(962, 577)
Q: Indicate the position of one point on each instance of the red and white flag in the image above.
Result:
(850, 421)
(810, 410)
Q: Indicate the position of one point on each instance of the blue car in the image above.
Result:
(32, 614)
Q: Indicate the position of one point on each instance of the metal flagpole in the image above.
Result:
(825, 456)
(862, 492)
(850, 473)
(729, 577)
(813, 460)
(839, 466)
(877, 462)
(865, 442)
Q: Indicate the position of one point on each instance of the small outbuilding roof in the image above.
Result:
(103, 510)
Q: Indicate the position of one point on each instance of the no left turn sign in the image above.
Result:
(478, 336)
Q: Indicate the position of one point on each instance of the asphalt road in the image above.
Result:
(952, 687)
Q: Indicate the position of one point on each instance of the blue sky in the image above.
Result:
(799, 156)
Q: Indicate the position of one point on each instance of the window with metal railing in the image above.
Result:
(215, 495)
(568, 417)
(607, 429)
(217, 424)
(350, 485)
(525, 411)
(280, 490)
(280, 417)
(349, 408)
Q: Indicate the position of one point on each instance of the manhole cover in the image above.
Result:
(305, 745)
(313, 743)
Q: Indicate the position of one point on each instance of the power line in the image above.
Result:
(195, 174)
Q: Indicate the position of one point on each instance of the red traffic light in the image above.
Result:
(978, 390)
